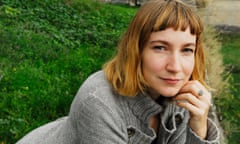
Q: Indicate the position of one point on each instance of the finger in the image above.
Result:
(195, 101)
(198, 90)
(195, 106)
(195, 112)
(194, 87)
(188, 97)
(188, 106)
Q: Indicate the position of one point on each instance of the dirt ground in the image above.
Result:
(224, 12)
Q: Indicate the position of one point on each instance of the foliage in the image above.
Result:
(228, 102)
(215, 72)
(48, 48)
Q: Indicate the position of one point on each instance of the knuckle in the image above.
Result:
(205, 106)
(202, 113)
(188, 95)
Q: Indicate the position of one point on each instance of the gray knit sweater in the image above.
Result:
(98, 115)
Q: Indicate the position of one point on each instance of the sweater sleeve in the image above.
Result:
(212, 135)
(98, 124)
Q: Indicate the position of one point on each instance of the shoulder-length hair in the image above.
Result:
(124, 70)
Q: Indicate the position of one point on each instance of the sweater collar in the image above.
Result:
(144, 107)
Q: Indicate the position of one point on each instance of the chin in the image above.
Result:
(169, 94)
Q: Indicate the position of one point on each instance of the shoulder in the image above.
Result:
(95, 80)
(97, 105)
(96, 92)
(97, 87)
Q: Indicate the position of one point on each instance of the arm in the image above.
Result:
(198, 105)
(212, 136)
(97, 124)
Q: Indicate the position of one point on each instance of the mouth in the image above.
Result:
(172, 81)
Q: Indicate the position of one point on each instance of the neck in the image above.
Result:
(154, 95)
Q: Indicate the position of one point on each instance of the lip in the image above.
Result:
(171, 80)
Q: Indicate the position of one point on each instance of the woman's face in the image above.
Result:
(168, 61)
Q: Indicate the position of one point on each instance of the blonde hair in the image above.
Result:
(124, 70)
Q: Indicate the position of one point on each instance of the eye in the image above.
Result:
(188, 50)
(159, 47)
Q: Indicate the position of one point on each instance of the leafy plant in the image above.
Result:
(48, 48)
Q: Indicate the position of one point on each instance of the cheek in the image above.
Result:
(188, 67)
(151, 64)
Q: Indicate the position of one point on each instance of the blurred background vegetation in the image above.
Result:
(49, 47)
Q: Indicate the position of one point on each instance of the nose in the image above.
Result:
(173, 63)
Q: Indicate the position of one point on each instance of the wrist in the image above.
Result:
(200, 130)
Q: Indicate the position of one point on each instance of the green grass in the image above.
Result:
(228, 104)
(49, 47)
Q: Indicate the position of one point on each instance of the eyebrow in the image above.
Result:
(167, 43)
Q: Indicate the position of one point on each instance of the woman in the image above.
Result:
(152, 92)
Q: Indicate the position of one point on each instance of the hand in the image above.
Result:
(197, 100)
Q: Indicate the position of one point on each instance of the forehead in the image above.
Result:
(172, 35)
(177, 15)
